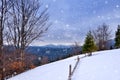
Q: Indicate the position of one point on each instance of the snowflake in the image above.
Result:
(108, 18)
(54, 0)
(47, 52)
(117, 6)
(106, 2)
(46, 6)
(56, 21)
(98, 16)
(102, 17)
(48, 35)
(67, 25)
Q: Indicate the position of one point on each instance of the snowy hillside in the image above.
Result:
(103, 65)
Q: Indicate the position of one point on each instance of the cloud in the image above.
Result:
(73, 18)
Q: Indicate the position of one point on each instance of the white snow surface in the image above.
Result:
(103, 65)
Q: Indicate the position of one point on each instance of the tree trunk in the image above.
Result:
(1, 41)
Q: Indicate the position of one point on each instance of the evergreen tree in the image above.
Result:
(89, 45)
(117, 38)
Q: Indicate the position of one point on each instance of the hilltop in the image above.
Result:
(103, 65)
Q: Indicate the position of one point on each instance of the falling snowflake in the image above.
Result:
(48, 35)
(101, 17)
(117, 6)
(106, 2)
(56, 21)
(54, 0)
(67, 25)
(46, 6)
(98, 16)
(47, 52)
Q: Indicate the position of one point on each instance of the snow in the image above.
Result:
(67, 25)
(103, 65)
(54, 0)
(47, 6)
(56, 21)
(117, 6)
(106, 2)
(53, 71)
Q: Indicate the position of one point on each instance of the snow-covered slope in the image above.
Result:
(103, 65)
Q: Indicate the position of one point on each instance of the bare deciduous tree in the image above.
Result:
(44, 60)
(77, 48)
(101, 35)
(4, 7)
(28, 22)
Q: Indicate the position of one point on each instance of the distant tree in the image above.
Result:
(16, 66)
(111, 47)
(44, 60)
(101, 35)
(77, 49)
(13, 66)
(117, 37)
(89, 45)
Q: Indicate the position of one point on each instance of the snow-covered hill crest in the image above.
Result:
(103, 65)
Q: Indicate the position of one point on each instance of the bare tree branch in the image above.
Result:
(28, 22)
(101, 35)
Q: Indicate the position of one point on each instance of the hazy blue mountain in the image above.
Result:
(53, 52)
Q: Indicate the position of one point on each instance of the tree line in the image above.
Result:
(98, 38)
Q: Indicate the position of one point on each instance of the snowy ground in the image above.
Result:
(103, 65)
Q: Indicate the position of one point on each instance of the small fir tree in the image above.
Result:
(89, 45)
(117, 38)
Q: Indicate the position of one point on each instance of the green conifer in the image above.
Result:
(89, 45)
(117, 38)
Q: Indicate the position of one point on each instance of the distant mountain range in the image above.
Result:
(53, 52)
(58, 46)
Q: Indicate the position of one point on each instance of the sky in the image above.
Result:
(72, 19)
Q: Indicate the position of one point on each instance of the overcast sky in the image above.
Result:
(71, 19)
